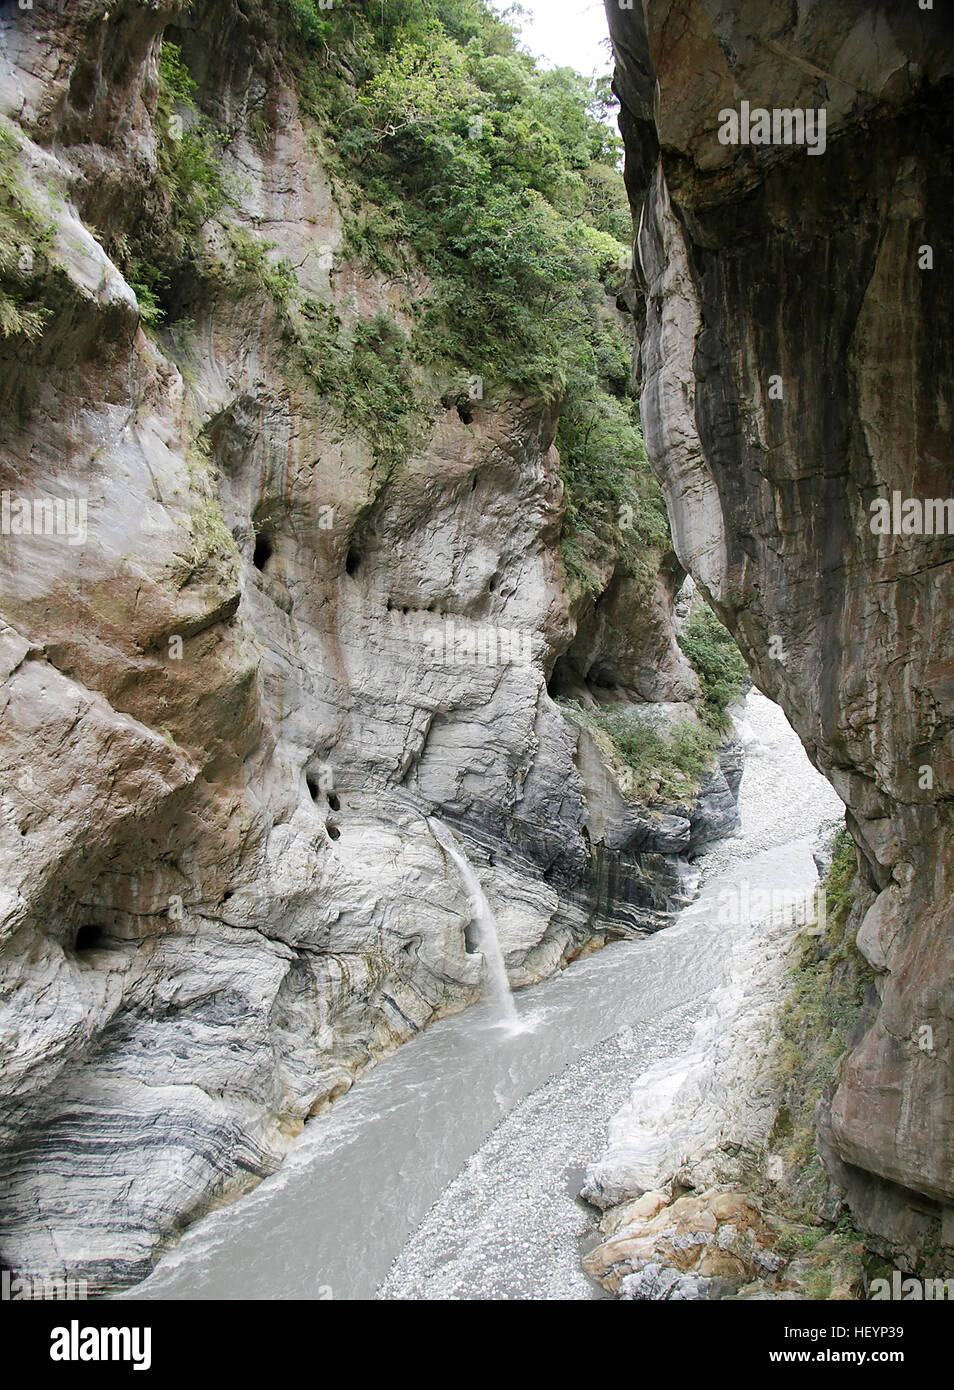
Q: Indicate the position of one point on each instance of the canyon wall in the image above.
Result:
(795, 362)
(256, 659)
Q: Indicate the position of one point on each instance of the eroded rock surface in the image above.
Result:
(760, 266)
(227, 713)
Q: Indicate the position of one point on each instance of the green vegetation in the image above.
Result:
(24, 237)
(829, 982)
(312, 26)
(188, 159)
(213, 544)
(829, 1261)
(456, 159)
(367, 377)
(666, 765)
(189, 191)
(717, 662)
(614, 505)
(376, 382)
(488, 191)
(653, 764)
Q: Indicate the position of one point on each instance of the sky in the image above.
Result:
(566, 33)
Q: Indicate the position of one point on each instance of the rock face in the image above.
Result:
(795, 366)
(690, 1249)
(228, 708)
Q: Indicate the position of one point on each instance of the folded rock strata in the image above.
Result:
(227, 714)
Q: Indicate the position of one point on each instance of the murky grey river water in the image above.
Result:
(456, 1160)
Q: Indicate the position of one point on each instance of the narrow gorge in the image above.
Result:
(796, 367)
(392, 457)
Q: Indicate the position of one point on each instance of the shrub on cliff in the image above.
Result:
(24, 237)
(717, 662)
(829, 981)
(458, 157)
(489, 187)
(653, 764)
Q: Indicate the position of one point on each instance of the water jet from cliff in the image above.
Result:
(496, 984)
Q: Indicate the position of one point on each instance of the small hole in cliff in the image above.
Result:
(352, 561)
(227, 895)
(333, 802)
(333, 832)
(473, 483)
(465, 412)
(89, 938)
(264, 550)
(314, 789)
(491, 586)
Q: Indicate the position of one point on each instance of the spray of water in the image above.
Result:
(496, 984)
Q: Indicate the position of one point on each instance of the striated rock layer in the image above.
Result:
(796, 364)
(228, 711)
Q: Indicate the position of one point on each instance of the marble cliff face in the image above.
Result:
(233, 689)
(796, 367)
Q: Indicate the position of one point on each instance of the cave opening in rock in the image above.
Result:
(333, 832)
(89, 937)
(564, 679)
(352, 561)
(264, 549)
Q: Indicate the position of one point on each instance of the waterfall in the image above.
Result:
(477, 1140)
(496, 984)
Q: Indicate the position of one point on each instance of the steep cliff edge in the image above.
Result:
(794, 307)
(278, 580)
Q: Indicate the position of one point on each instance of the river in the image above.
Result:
(451, 1169)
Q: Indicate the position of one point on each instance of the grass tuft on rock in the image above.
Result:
(653, 764)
